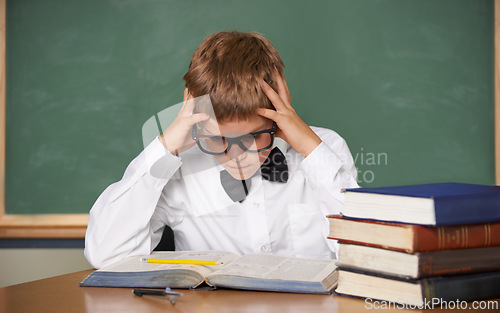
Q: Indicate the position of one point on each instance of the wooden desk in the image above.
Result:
(62, 294)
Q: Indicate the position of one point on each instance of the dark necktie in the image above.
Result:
(273, 169)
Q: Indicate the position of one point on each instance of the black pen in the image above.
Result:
(154, 292)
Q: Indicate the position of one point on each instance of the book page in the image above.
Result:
(134, 263)
(275, 267)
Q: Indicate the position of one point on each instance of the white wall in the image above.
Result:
(23, 265)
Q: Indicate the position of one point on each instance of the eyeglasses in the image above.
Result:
(253, 142)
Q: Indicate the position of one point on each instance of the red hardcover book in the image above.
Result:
(413, 238)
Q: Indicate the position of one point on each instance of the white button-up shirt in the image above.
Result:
(185, 193)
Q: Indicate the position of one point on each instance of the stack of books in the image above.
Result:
(419, 244)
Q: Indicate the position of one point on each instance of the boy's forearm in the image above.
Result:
(119, 223)
(329, 171)
(121, 227)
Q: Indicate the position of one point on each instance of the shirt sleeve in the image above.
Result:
(329, 169)
(120, 220)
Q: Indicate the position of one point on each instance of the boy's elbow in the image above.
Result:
(92, 258)
(95, 256)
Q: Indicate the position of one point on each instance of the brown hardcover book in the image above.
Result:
(420, 264)
(413, 238)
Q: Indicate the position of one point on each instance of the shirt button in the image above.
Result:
(258, 207)
(265, 248)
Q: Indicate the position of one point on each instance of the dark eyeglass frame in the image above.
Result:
(235, 140)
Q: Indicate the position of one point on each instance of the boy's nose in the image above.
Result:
(236, 153)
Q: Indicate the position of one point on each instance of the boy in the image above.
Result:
(220, 180)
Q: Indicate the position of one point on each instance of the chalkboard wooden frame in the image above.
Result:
(497, 91)
(74, 225)
(30, 225)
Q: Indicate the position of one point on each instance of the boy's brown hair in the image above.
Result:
(230, 67)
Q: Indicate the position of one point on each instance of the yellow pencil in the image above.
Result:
(175, 261)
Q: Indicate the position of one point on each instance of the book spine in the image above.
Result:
(452, 262)
(364, 243)
(467, 209)
(456, 237)
(462, 287)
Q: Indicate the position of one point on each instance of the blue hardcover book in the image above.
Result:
(426, 204)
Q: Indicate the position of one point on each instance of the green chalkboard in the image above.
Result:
(408, 84)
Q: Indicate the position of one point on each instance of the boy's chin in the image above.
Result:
(242, 173)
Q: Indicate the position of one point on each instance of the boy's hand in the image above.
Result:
(291, 127)
(177, 137)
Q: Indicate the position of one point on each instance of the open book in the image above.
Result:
(251, 272)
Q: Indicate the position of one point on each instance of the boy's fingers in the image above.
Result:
(288, 95)
(272, 115)
(199, 117)
(188, 105)
(282, 88)
(267, 113)
(273, 96)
